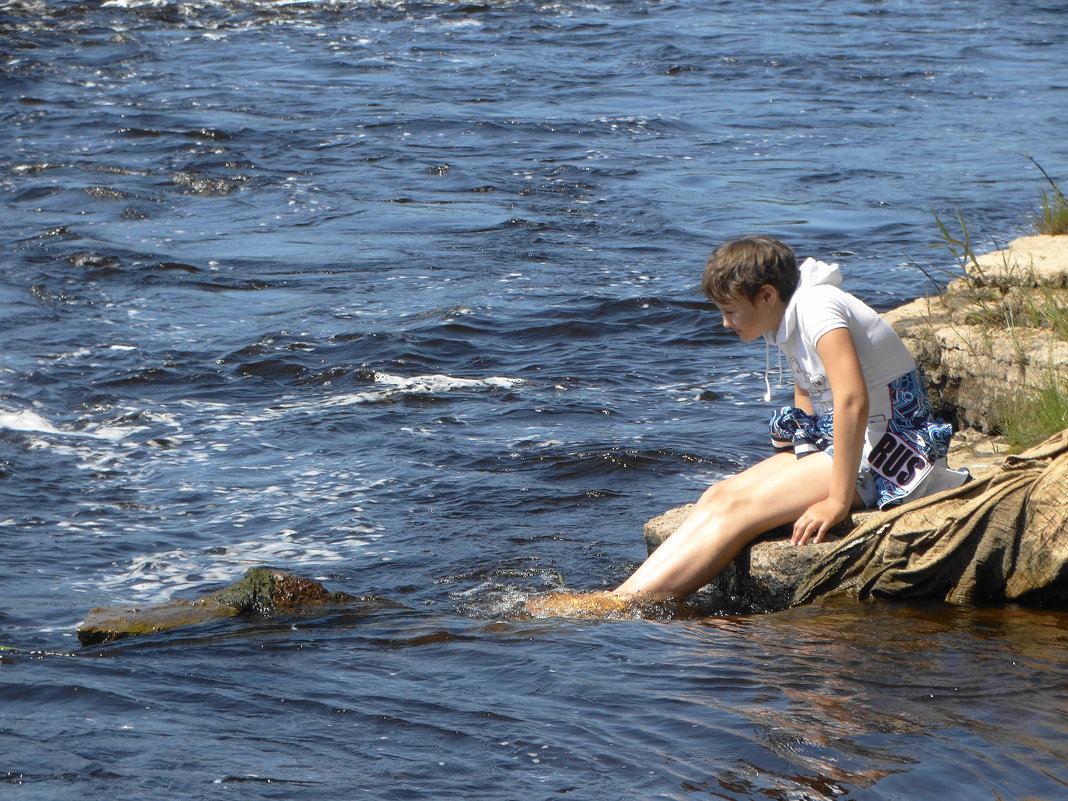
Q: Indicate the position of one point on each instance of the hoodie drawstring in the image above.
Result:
(767, 371)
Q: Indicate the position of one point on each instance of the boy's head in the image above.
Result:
(738, 268)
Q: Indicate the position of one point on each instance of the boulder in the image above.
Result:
(261, 591)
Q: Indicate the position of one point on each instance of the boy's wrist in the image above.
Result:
(843, 500)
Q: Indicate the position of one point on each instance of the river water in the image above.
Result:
(401, 296)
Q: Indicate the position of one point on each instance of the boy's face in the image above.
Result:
(751, 319)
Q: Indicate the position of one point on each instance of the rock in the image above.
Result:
(1029, 259)
(974, 371)
(270, 592)
(260, 591)
(105, 624)
(988, 337)
(763, 577)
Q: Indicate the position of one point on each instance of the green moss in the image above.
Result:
(253, 593)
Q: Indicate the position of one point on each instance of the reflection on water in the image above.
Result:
(866, 695)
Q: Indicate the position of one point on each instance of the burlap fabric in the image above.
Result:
(1003, 537)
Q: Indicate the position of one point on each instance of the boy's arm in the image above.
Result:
(850, 396)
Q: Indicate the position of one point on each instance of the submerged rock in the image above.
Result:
(260, 591)
(105, 624)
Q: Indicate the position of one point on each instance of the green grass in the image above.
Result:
(1035, 415)
(1054, 221)
(1008, 299)
(1054, 218)
(1047, 307)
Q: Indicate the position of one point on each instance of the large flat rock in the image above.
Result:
(1038, 259)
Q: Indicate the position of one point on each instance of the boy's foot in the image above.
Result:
(603, 605)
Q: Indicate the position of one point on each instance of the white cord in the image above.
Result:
(767, 370)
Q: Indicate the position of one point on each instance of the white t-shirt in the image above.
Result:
(818, 306)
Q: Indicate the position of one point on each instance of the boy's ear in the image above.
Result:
(768, 294)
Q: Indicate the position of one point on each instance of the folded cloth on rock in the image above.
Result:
(1002, 537)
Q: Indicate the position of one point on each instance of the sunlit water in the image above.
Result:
(401, 296)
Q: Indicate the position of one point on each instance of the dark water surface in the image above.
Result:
(401, 296)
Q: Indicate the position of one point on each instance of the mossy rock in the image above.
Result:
(105, 624)
(261, 592)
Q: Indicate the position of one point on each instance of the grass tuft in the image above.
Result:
(999, 302)
(1035, 414)
(1054, 218)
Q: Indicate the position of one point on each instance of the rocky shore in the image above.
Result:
(989, 335)
(974, 360)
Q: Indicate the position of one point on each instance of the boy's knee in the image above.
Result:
(729, 498)
(721, 494)
(713, 494)
(735, 505)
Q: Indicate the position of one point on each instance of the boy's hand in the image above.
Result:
(817, 520)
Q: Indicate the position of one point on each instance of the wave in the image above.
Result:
(388, 388)
(34, 423)
(442, 383)
(212, 14)
(163, 575)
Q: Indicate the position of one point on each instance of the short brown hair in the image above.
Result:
(739, 268)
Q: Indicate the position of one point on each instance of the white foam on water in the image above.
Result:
(265, 534)
(443, 383)
(27, 421)
(390, 386)
(163, 575)
(32, 422)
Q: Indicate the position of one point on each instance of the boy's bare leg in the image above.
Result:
(728, 516)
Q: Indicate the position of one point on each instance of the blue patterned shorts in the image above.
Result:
(902, 441)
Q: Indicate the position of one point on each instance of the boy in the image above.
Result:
(860, 433)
